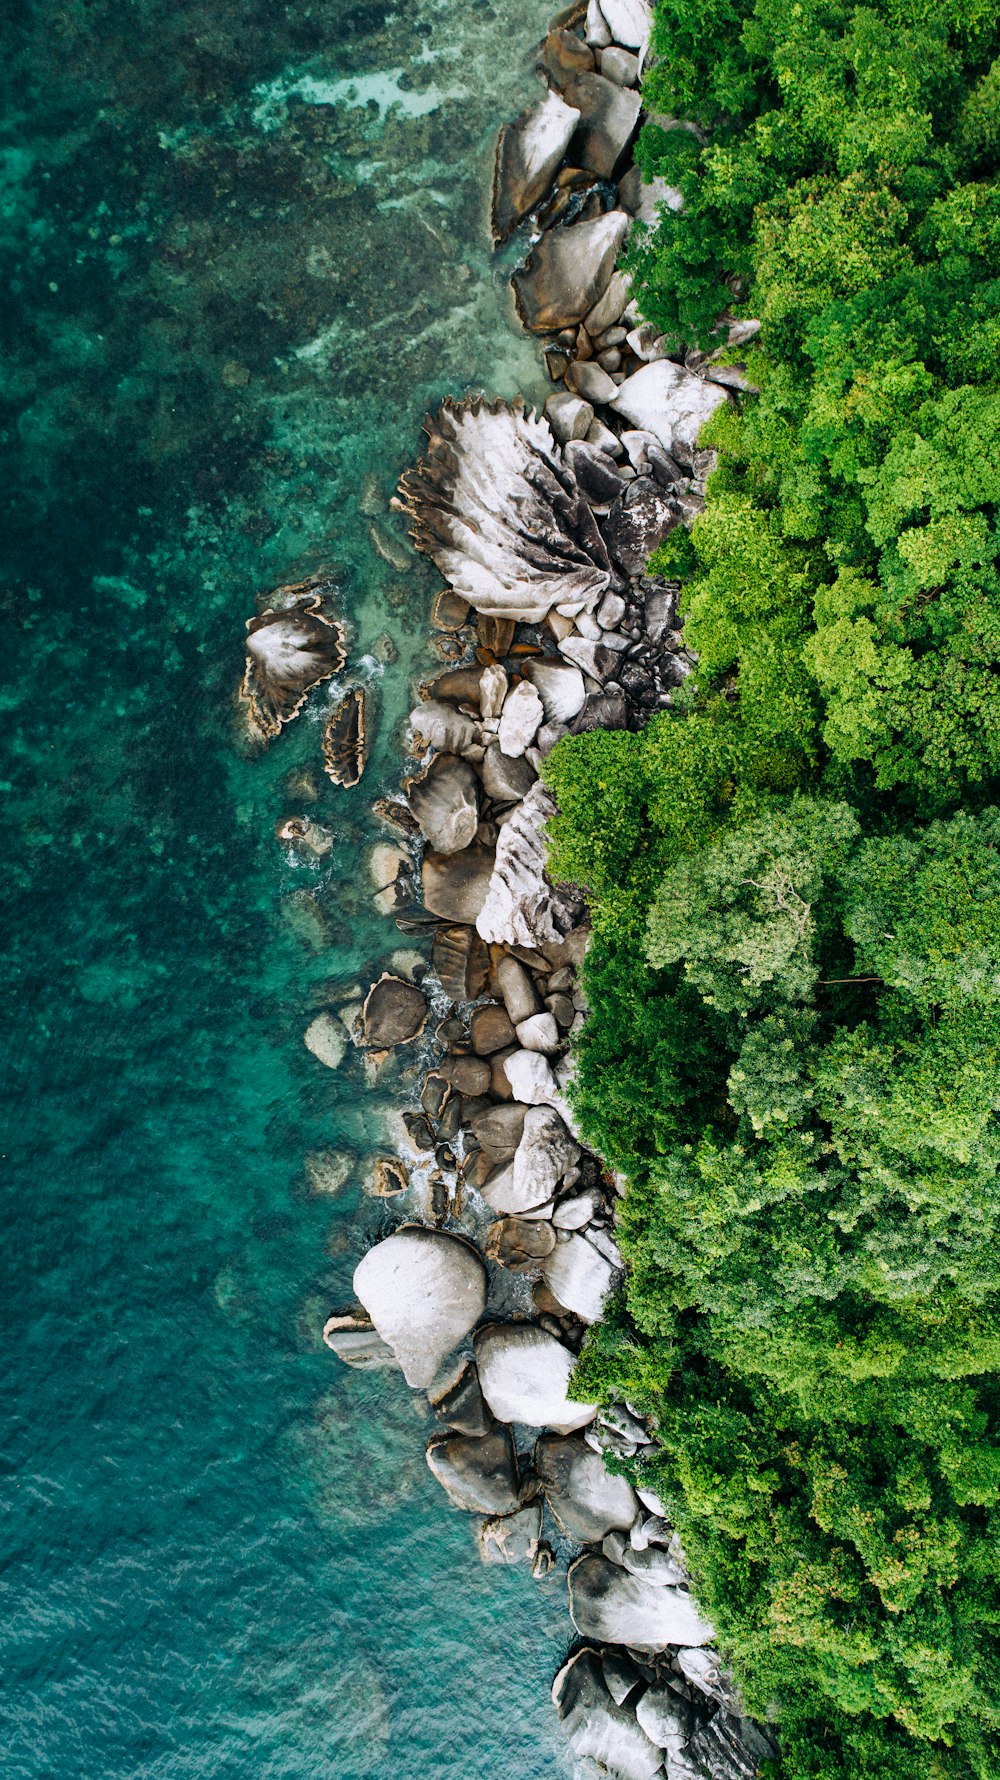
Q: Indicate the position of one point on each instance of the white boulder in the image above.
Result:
(609, 1605)
(531, 1078)
(559, 686)
(586, 1500)
(673, 404)
(596, 1727)
(521, 906)
(424, 1291)
(579, 1277)
(522, 713)
(545, 1153)
(524, 1374)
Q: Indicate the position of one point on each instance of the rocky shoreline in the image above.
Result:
(541, 526)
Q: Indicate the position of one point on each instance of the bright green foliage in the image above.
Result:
(793, 1051)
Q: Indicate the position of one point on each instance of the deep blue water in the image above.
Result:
(237, 281)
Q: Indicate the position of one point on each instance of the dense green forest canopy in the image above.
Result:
(794, 1046)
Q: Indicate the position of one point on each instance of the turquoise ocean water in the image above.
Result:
(245, 247)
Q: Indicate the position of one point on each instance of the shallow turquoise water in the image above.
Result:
(248, 249)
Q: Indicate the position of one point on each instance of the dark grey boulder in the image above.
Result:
(639, 520)
(479, 1475)
(458, 1402)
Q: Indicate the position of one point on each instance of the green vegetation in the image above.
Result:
(794, 1046)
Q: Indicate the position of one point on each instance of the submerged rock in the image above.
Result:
(326, 1038)
(480, 1474)
(345, 739)
(525, 1373)
(290, 648)
(586, 1500)
(496, 510)
(424, 1291)
(569, 270)
(529, 153)
(609, 1604)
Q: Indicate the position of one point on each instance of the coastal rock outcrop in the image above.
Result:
(480, 1473)
(664, 399)
(596, 1727)
(424, 1292)
(393, 1013)
(493, 506)
(291, 647)
(445, 801)
(521, 907)
(346, 740)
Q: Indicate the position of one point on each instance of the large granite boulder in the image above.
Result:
(531, 1078)
(394, 1013)
(457, 1400)
(664, 399)
(567, 272)
(598, 1728)
(543, 1156)
(608, 1604)
(479, 1475)
(529, 154)
(519, 1243)
(424, 1291)
(438, 725)
(579, 1277)
(515, 983)
(522, 713)
(585, 1499)
(629, 21)
(461, 961)
(445, 802)
(496, 509)
(456, 885)
(666, 1717)
(512, 1539)
(559, 686)
(521, 907)
(524, 1373)
(506, 779)
(609, 117)
(497, 1130)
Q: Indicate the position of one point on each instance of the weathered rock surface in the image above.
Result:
(545, 1153)
(505, 779)
(639, 520)
(394, 1013)
(456, 885)
(346, 739)
(531, 1078)
(519, 1243)
(609, 115)
(525, 1373)
(289, 650)
(610, 307)
(615, 1608)
(579, 1277)
(596, 1727)
(629, 21)
(495, 508)
(445, 802)
(668, 401)
(730, 1748)
(521, 907)
(666, 1719)
(354, 1341)
(424, 1291)
(480, 1475)
(529, 152)
(498, 1131)
(569, 270)
(439, 725)
(520, 997)
(461, 961)
(490, 1030)
(586, 1500)
(540, 1033)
